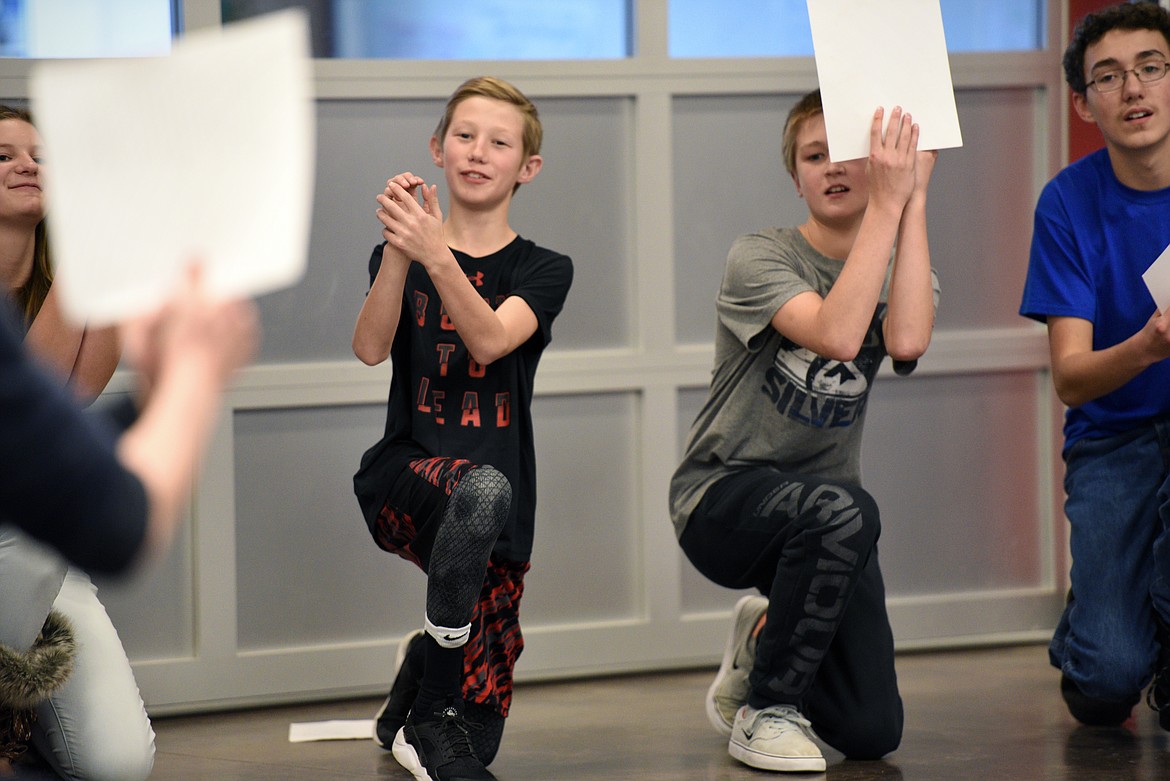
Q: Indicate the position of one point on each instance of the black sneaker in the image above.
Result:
(437, 748)
(408, 672)
(1158, 695)
(1093, 712)
(485, 727)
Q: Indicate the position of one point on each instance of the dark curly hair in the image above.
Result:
(1123, 16)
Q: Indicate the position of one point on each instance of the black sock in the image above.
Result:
(442, 678)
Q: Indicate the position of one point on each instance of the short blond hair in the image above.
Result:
(496, 89)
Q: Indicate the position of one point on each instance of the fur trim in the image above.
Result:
(28, 678)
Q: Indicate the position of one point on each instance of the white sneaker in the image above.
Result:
(729, 690)
(775, 738)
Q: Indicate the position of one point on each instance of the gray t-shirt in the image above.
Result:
(771, 401)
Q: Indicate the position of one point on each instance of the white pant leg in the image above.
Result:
(30, 580)
(95, 727)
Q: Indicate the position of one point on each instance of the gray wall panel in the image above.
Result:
(980, 210)
(954, 465)
(360, 144)
(307, 570)
(729, 180)
(580, 204)
(585, 557)
(153, 608)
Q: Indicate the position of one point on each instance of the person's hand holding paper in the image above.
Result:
(1157, 279)
(886, 54)
(155, 162)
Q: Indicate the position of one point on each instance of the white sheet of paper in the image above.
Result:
(153, 163)
(887, 53)
(1157, 279)
(338, 729)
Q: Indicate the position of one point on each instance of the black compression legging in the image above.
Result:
(475, 514)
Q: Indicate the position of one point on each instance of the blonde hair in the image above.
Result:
(496, 89)
(807, 107)
(32, 293)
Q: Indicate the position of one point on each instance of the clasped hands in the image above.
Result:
(896, 169)
(414, 229)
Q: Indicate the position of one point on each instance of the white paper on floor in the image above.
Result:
(337, 729)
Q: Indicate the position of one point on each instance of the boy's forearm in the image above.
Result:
(910, 317)
(1085, 376)
(849, 305)
(473, 317)
(377, 322)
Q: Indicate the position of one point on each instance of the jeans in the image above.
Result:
(810, 546)
(1118, 508)
(94, 727)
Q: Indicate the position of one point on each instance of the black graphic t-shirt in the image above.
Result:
(449, 405)
(771, 401)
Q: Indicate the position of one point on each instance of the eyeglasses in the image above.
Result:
(1146, 72)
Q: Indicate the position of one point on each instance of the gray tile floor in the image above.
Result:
(974, 715)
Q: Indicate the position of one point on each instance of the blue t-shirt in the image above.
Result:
(1092, 240)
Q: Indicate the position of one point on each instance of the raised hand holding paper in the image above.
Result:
(152, 164)
(882, 53)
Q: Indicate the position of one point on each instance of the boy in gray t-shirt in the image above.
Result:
(768, 494)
